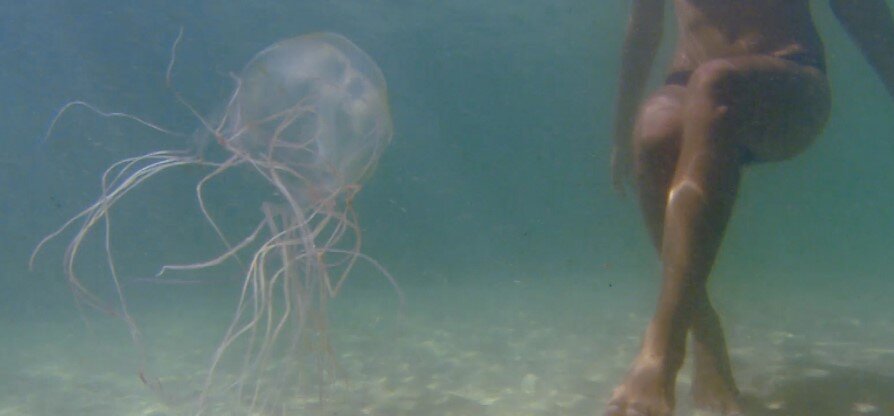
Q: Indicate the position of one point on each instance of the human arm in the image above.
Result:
(643, 36)
(871, 27)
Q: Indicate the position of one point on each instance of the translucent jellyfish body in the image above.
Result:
(309, 116)
(316, 107)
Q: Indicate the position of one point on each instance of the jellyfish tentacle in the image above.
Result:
(104, 114)
(233, 161)
(230, 253)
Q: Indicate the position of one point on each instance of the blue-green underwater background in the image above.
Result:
(494, 196)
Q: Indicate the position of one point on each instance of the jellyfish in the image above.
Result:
(309, 116)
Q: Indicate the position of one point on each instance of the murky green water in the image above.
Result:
(527, 281)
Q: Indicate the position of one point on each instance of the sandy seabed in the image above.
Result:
(516, 347)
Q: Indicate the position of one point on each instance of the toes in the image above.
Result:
(636, 412)
(614, 409)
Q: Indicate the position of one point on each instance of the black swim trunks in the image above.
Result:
(681, 78)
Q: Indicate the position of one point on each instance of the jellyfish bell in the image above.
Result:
(315, 108)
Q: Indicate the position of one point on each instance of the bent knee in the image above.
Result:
(712, 76)
(659, 126)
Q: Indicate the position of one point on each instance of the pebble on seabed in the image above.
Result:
(863, 407)
(529, 383)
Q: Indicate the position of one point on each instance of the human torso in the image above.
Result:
(712, 29)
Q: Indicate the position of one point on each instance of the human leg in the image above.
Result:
(656, 145)
(752, 107)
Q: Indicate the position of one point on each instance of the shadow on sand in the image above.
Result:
(827, 390)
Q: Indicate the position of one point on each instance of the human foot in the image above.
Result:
(713, 388)
(647, 390)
